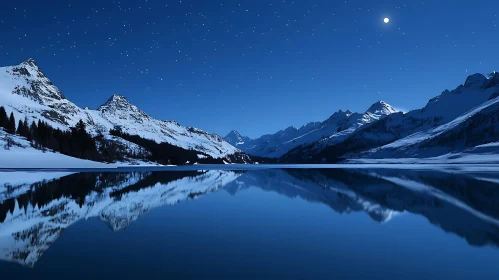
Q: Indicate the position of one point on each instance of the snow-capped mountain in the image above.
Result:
(377, 111)
(451, 107)
(335, 127)
(27, 92)
(119, 112)
(477, 126)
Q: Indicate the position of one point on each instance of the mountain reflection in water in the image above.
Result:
(35, 212)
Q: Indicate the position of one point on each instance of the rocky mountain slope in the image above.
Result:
(443, 124)
(27, 92)
(236, 140)
(471, 129)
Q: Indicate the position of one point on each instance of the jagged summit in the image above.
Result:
(344, 112)
(116, 99)
(381, 107)
(31, 62)
(28, 80)
(118, 102)
(234, 133)
(235, 139)
(479, 80)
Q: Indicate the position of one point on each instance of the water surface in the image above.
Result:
(251, 224)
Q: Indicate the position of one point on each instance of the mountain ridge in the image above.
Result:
(27, 92)
(440, 110)
(281, 142)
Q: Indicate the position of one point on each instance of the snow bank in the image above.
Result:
(27, 178)
(22, 155)
(453, 158)
(18, 157)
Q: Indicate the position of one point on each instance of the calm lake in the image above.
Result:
(300, 223)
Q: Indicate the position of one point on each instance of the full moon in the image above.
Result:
(386, 20)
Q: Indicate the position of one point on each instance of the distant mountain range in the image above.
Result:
(450, 128)
(339, 125)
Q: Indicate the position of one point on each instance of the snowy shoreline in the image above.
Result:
(475, 167)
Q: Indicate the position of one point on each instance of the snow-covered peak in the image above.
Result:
(118, 98)
(28, 80)
(118, 102)
(30, 63)
(381, 108)
(121, 113)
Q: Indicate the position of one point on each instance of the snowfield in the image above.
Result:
(477, 155)
(22, 155)
(435, 132)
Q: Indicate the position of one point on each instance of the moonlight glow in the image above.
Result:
(386, 20)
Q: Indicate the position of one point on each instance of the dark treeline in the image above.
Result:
(77, 142)
(165, 153)
(6, 122)
(78, 186)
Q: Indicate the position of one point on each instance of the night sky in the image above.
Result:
(256, 66)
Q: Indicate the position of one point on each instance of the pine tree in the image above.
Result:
(33, 131)
(25, 123)
(25, 131)
(80, 126)
(12, 124)
(20, 128)
(3, 118)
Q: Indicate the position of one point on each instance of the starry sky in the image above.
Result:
(257, 66)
